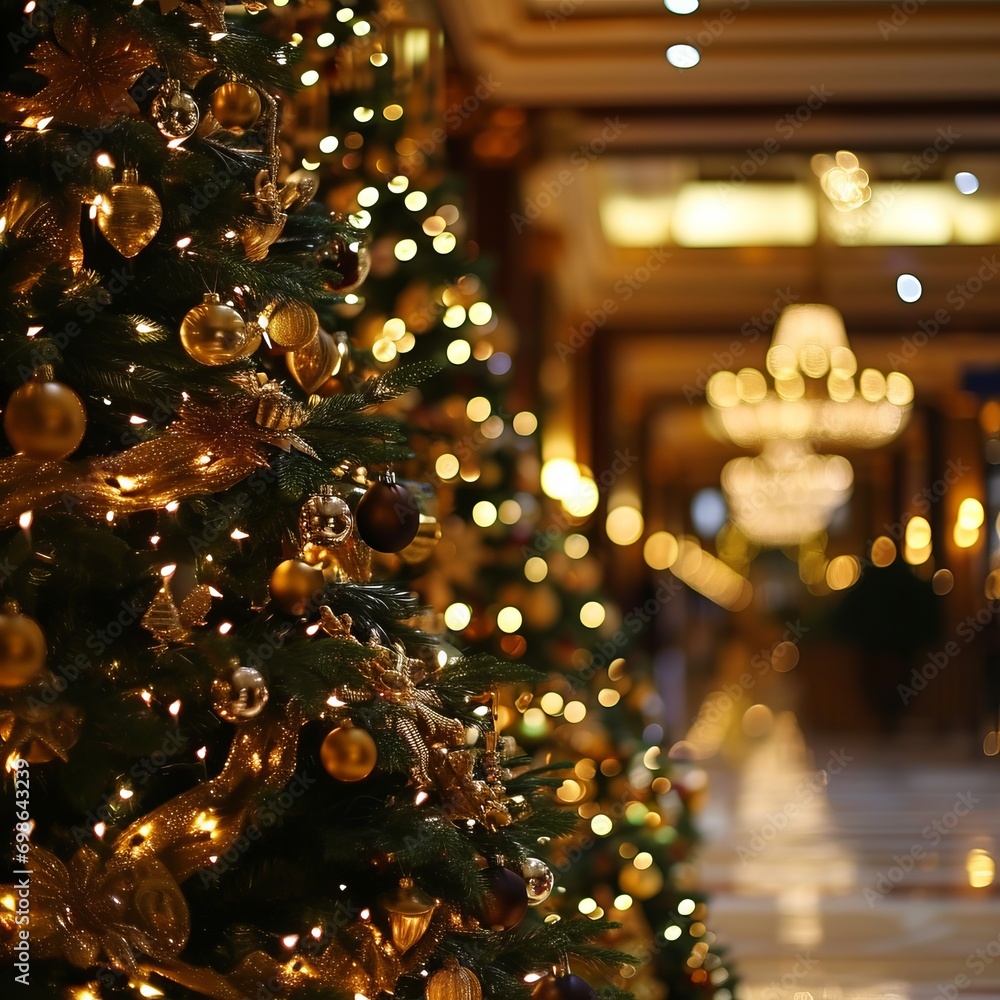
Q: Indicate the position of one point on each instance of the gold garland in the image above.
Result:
(207, 449)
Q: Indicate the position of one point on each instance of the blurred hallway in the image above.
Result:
(847, 869)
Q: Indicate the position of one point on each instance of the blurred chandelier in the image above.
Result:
(786, 493)
(815, 396)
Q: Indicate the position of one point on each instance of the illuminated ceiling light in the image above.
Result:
(786, 493)
(683, 56)
(966, 183)
(843, 181)
(908, 287)
(809, 341)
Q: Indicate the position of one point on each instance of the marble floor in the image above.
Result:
(842, 867)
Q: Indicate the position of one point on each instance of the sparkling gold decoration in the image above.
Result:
(410, 910)
(38, 732)
(235, 105)
(348, 753)
(328, 534)
(454, 982)
(216, 334)
(45, 420)
(47, 231)
(265, 221)
(291, 324)
(130, 216)
(299, 189)
(315, 362)
(89, 70)
(810, 344)
(187, 831)
(174, 111)
(170, 623)
(95, 909)
(295, 585)
(208, 448)
(22, 648)
(241, 696)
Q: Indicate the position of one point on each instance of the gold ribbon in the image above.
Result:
(202, 823)
(207, 449)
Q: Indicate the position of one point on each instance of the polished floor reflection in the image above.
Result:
(846, 868)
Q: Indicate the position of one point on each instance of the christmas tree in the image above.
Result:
(238, 764)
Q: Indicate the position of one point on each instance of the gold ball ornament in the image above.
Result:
(315, 364)
(295, 585)
(45, 420)
(22, 650)
(454, 982)
(235, 105)
(130, 216)
(348, 753)
(291, 324)
(216, 334)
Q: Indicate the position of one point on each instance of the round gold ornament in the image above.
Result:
(235, 105)
(294, 586)
(45, 420)
(130, 216)
(291, 324)
(315, 364)
(22, 650)
(215, 334)
(174, 111)
(454, 982)
(241, 696)
(348, 753)
(410, 911)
